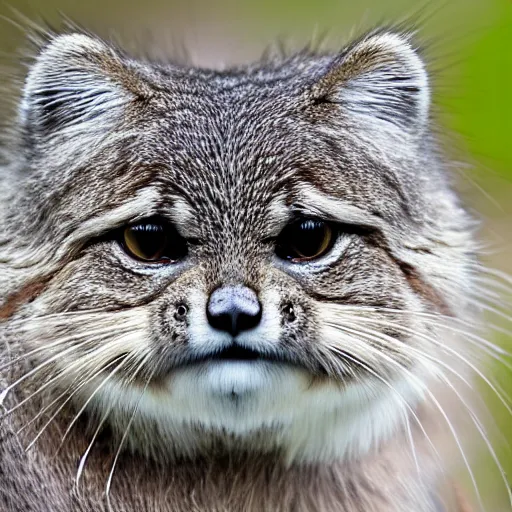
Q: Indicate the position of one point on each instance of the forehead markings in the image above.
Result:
(278, 215)
(309, 201)
(180, 212)
(143, 204)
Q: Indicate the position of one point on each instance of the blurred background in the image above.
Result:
(468, 44)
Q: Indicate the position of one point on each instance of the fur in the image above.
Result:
(95, 362)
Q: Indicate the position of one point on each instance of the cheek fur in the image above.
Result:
(78, 346)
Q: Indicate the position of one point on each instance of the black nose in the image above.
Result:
(233, 309)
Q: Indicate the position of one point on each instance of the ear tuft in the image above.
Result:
(74, 80)
(382, 78)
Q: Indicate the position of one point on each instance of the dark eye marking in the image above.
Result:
(153, 241)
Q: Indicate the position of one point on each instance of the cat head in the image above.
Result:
(248, 257)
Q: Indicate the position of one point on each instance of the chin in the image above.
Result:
(255, 406)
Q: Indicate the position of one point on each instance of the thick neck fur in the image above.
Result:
(384, 481)
(401, 475)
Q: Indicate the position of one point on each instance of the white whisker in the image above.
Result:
(448, 349)
(411, 442)
(125, 435)
(438, 406)
(61, 375)
(111, 375)
(83, 458)
(61, 407)
(483, 435)
(394, 391)
(38, 368)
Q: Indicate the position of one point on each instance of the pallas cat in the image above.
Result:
(243, 290)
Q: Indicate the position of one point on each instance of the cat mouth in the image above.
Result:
(235, 353)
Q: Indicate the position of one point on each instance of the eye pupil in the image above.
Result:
(154, 242)
(311, 237)
(304, 240)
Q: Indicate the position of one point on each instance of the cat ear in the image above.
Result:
(76, 81)
(380, 78)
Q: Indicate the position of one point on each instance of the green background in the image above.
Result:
(468, 44)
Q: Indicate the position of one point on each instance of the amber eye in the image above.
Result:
(305, 240)
(154, 241)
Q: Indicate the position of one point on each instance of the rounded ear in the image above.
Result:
(74, 80)
(383, 78)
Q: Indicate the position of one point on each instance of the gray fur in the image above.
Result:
(228, 157)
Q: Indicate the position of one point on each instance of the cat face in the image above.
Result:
(238, 257)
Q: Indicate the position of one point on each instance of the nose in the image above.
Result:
(233, 309)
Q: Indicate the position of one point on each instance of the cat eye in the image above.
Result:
(305, 240)
(154, 242)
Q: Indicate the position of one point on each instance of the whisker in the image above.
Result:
(493, 272)
(31, 353)
(448, 349)
(50, 360)
(91, 335)
(87, 314)
(396, 392)
(449, 319)
(83, 458)
(499, 393)
(481, 430)
(441, 363)
(411, 442)
(369, 333)
(494, 293)
(59, 409)
(60, 376)
(491, 283)
(124, 360)
(412, 312)
(441, 411)
(48, 407)
(125, 435)
(490, 309)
